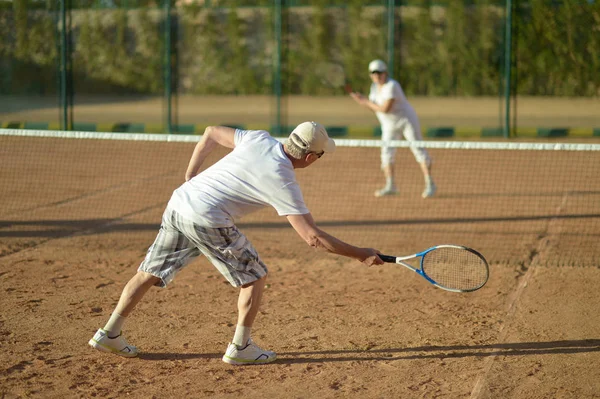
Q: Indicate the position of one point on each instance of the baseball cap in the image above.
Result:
(312, 136)
(377, 65)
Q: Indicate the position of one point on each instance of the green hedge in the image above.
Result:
(443, 48)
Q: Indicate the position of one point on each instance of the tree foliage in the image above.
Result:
(442, 48)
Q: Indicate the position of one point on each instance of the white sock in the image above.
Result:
(114, 325)
(428, 180)
(241, 336)
(389, 183)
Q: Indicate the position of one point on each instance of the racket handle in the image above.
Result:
(387, 258)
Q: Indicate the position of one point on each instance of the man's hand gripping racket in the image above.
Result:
(450, 267)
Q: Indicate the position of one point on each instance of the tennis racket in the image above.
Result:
(333, 75)
(449, 267)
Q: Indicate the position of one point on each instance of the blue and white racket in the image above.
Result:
(450, 267)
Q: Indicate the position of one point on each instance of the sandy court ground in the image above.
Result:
(531, 112)
(77, 217)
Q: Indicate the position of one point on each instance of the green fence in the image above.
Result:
(164, 66)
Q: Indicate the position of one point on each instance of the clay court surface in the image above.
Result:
(77, 217)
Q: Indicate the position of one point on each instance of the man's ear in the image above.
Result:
(311, 157)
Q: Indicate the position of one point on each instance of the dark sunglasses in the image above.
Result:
(319, 154)
(377, 72)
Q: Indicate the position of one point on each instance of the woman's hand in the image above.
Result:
(359, 98)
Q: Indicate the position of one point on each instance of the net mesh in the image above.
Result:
(513, 202)
(455, 268)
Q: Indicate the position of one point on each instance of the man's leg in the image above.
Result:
(109, 339)
(230, 251)
(248, 305)
(134, 291)
(242, 350)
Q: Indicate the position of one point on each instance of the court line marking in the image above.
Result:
(481, 382)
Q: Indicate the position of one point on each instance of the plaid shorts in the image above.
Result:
(179, 241)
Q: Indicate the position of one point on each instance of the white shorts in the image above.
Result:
(407, 128)
(179, 241)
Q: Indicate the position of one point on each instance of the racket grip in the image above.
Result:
(387, 258)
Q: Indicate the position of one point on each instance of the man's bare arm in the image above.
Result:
(212, 136)
(307, 229)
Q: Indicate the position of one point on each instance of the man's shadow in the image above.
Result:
(410, 353)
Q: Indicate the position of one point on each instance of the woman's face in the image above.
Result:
(379, 77)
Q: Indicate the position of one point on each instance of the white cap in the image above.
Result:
(377, 65)
(312, 136)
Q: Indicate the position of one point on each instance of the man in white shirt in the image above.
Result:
(398, 119)
(200, 220)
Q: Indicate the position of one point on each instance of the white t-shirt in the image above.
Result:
(400, 108)
(255, 174)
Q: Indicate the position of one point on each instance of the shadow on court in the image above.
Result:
(514, 195)
(63, 228)
(419, 352)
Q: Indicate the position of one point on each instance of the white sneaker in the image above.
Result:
(249, 354)
(429, 190)
(386, 191)
(117, 345)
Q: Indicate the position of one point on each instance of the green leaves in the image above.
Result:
(441, 48)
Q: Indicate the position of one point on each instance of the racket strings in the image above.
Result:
(456, 268)
(331, 74)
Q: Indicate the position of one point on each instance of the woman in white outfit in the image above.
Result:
(398, 120)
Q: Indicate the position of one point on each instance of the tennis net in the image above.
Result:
(515, 202)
